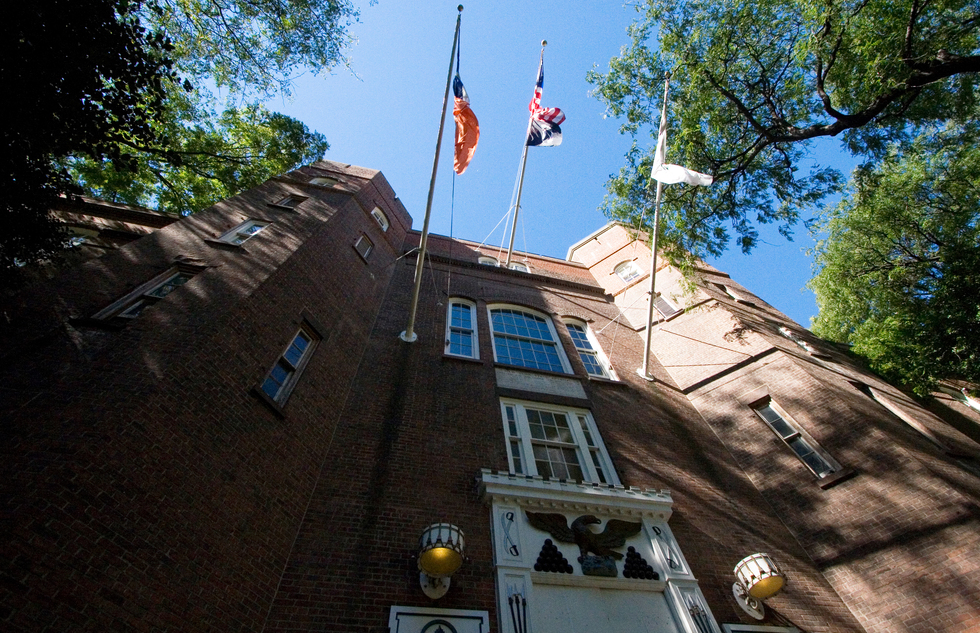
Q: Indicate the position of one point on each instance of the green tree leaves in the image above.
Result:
(897, 273)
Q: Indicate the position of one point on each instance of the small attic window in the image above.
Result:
(324, 181)
(289, 202)
(519, 266)
(380, 217)
(627, 271)
(489, 261)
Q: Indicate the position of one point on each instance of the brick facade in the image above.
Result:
(149, 485)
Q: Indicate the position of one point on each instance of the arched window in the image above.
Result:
(380, 217)
(628, 270)
(588, 349)
(519, 266)
(324, 181)
(489, 261)
(526, 339)
(461, 337)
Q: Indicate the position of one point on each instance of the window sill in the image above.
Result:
(465, 359)
(836, 478)
(607, 381)
(282, 207)
(264, 398)
(534, 370)
(223, 245)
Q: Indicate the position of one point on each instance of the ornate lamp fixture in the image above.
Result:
(756, 579)
(440, 555)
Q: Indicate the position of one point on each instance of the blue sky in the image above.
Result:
(387, 118)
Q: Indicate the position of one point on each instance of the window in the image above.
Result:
(380, 218)
(803, 344)
(519, 266)
(133, 304)
(489, 261)
(284, 374)
(628, 271)
(553, 441)
(523, 338)
(241, 233)
(324, 181)
(804, 447)
(363, 246)
(665, 307)
(588, 350)
(289, 202)
(461, 339)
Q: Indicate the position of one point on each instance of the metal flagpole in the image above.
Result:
(409, 335)
(645, 370)
(520, 184)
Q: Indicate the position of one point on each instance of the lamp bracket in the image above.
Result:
(434, 588)
(749, 604)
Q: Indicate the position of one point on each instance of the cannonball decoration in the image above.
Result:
(551, 559)
(636, 567)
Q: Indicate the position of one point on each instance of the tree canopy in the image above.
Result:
(755, 82)
(83, 78)
(209, 157)
(897, 272)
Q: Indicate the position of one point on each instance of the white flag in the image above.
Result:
(673, 174)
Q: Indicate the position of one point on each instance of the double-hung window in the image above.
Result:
(804, 447)
(243, 232)
(283, 376)
(556, 442)
(588, 350)
(665, 307)
(153, 291)
(363, 246)
(526, 339)
(461, 338)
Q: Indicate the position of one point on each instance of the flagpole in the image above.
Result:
(645, 370)
(409, 335)
(520, 182)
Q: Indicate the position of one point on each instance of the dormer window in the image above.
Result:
(380, 217)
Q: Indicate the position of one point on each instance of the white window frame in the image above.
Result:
(293, 369)
(566, 367)
(520, 267)
(324, 181)
(146, 295)
(472, 332)
(488, 261)
(240, 231)
(628, 271)
(798, 434)
(380, 217)
(291, 201)
(364, 246)
(674, 310)
(520, 445)
(594, 351)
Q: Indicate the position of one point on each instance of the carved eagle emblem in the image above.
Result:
(614, 535)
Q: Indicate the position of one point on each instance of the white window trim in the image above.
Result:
(488, 261)
(290, 201)
(566, 366)
(380, 217)
(324, 181)
(367, 251)
(286, 389)
(228, 237)
(635, 272)
(596, 350)
(835, 467)
(583, 451)
(474, 332)
(520, 267)
(142, 293)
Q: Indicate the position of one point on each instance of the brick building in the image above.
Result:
(216, 427)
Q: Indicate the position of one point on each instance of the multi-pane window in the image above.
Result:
(556, 442)
(588, 349)
(363, 246)
(523, 338)
(324, 181)
(628, 271)
(804, 447)
(665, 307)
(519, 266)
(133, 304)
(489, 261)
(461, 339)
(243, 232)
(380, 217)
(282, 378)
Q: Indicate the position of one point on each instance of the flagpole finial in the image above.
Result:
(460, 8)
(544, 43)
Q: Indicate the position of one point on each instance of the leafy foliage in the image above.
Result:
(898, 270)
(84, 77)
(255, 45)
(754, 82)
(209, 157)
